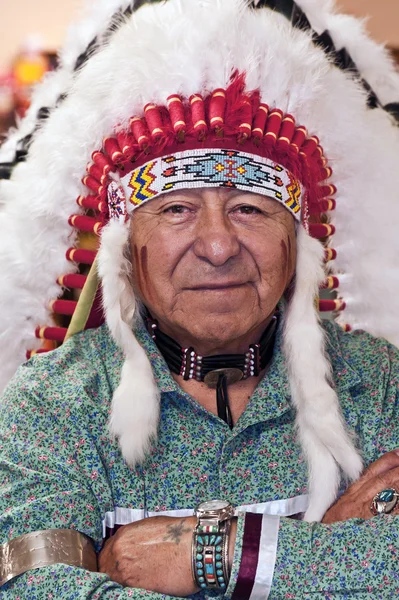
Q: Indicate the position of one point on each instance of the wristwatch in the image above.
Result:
(210, 544)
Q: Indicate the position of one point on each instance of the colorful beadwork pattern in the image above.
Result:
(116, 202)
(201, 168)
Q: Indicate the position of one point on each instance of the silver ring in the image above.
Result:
(384, 502)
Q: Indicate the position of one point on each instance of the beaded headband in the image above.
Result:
(201, 168)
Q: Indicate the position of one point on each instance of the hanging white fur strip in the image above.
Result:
(323, 436)
(135, 404)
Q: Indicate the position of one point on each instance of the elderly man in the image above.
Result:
(210, 436)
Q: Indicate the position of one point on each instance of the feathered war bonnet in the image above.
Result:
(168, 89)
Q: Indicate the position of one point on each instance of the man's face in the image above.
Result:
(211, 264)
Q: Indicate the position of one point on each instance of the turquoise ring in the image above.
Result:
(384, 502)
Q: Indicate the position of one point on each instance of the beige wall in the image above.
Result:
(384, 17)
(19, 18)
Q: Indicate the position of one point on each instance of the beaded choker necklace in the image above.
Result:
(217, 371)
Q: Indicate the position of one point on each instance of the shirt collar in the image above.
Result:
(162, 375)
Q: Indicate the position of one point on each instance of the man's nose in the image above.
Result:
(216, 239)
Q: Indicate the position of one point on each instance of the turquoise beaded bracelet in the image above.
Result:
(210, 556)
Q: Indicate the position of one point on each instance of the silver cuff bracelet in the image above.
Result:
(43, 548)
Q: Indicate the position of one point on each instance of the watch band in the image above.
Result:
(43, 548)
(210, 564)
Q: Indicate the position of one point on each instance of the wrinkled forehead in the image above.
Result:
(206, 169)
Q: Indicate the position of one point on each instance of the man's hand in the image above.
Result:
(153, 554)
(355, 502)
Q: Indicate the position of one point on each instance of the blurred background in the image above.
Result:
(33, 30)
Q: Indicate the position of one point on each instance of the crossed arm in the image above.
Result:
(344, 557)
(155, 554)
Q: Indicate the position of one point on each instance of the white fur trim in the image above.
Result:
(135, 404)
(323, 436)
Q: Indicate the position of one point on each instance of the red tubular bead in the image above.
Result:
(321, 230)
(139, 131)
(217, 108)
(309, 146)
(330, 254)
(347, 328)
(327, 190)
(325, 173)
(318, 155)
(93, 185)
(325, 205)
(331, 283)
(113, 150)
(299, 137)
(273, 125)
(92, 203)
(287, 130)
(259, 123)
(323, 162)
(198, 116)
(79, 255)
(331, 305)
(83, 223)
(245, 128)
(176, 113)
(63, 307)
(96, 173)
(328, 204)
(102, 162)
(124, 143)
(56, 334)
(154, 121)
(73, 281)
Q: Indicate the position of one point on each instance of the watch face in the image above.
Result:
(214, 505)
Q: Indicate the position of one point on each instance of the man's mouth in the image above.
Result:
(228, 285)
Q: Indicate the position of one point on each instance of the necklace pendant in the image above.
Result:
(232, 376)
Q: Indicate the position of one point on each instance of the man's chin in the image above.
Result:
(219, 302)
(218, 328)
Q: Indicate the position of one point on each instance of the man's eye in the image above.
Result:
(247, 209)
(176, 209)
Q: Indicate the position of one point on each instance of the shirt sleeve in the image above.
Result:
(282, 558)
(51, 478)
(69, 583)
(285, 558)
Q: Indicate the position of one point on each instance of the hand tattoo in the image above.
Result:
(175, 532)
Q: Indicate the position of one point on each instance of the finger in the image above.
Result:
(382, 465)
(356, 503)
(383, 481)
